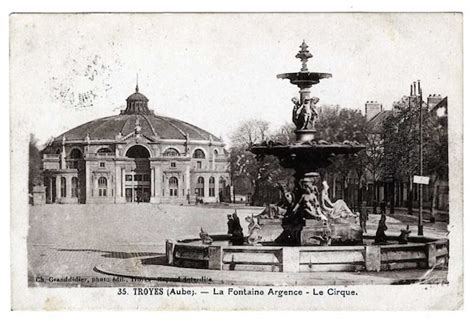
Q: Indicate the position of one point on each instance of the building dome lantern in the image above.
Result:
(137, 104)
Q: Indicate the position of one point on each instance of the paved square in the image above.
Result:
(66, 242)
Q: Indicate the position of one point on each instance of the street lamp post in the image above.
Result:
(420, 186)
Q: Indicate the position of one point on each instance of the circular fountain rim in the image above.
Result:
(419, 252)
(412, 240)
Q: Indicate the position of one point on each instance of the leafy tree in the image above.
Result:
(34, 164)
(401, 144)
(436, 160)
(372, 158)
(340, 125)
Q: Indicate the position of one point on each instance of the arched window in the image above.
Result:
(171, 152)
(215, 154)
(212, 187)
(173, 184)
(74, 187)
(138, 152)
(199, 154)
(75, 154)
(104, 151)
(102, 187)
(200, 187)
(63, 187)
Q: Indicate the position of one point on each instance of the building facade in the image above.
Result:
(370, 185)
(136, 156)
(436, 194)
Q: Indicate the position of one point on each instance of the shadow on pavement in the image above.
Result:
(160, 260)
(113, 254)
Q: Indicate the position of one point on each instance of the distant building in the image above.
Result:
(136, 156)
(372, 108)
(434, 100)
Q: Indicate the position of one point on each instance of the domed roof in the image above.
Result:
(152, 126)
(137, 113)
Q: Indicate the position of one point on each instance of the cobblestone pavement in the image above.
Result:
(66, 242)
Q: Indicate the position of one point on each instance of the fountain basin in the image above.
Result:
(306, 156)
(307, 148)
(418, 253)
(304, 78)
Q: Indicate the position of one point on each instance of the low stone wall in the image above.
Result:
(351, 258)
(414, 255)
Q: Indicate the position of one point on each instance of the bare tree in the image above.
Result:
(249, 132)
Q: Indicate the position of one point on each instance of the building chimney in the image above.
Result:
(372, 109)
(433, 100)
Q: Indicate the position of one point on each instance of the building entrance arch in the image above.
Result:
(138, 178)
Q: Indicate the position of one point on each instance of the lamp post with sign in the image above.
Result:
(421, 179)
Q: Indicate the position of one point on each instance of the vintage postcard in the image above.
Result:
(236, 161)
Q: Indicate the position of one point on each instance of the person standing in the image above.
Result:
(230, 224)
(382, 207)
(363, 216)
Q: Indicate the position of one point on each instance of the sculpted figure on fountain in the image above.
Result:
(304, 113)
(280, 209)
(308, 206)
(339, 209)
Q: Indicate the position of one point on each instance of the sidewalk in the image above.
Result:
(402, 215)
(441, 215)
(396, 222)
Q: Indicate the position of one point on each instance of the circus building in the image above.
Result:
(136, 156)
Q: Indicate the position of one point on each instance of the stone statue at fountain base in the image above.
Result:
(313, 220)
(235, 229)
(316, 233)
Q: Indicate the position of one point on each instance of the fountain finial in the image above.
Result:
(304, 55)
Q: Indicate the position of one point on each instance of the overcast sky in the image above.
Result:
(217, 70)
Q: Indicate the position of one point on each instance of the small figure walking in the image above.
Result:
(363, 216)
(230, 224)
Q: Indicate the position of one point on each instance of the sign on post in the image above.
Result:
(421, 180)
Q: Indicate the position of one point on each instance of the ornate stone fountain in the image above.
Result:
(310, 217)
